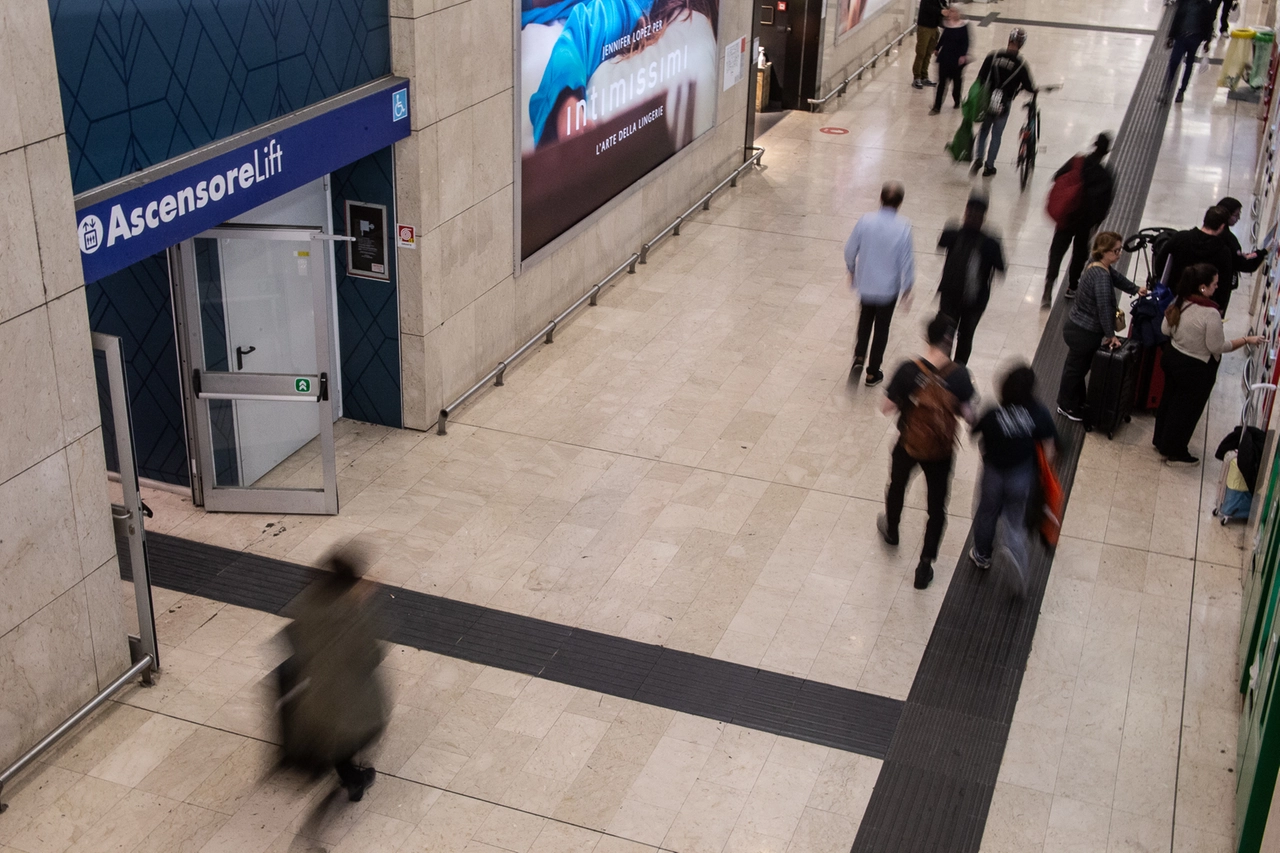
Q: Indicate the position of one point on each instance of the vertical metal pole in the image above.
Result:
(320, 254)
(123, 422)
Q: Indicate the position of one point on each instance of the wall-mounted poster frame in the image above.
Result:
(851, 14)
(367, 253)
(608, 91)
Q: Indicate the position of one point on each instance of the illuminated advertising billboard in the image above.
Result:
(851, 13)
(608, 90)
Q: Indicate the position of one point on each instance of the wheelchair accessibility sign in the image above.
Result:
(399, 104)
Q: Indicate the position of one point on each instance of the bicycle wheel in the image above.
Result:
(1027, 162)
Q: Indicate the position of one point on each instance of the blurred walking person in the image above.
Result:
(1009, 434)
(333, 703)
(973, 259)
(881, 261)
(929, 393)
(1192, 26)
(1083, 190)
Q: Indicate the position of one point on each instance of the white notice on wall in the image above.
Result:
(735, 60)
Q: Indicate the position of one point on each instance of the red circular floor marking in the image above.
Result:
(835, 131)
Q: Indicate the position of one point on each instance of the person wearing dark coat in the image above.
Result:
(1203, 245)
(1192, 26)
(928, 19)
(1242, 262)
(1097, 191)
(953, 55)
(973, 258)
(333, 703)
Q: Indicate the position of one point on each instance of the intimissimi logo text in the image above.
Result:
(268, 161)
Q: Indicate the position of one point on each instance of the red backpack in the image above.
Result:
(1067, 192)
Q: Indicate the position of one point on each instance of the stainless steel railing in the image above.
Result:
(144, 664)
(816, 104)
(498, 374)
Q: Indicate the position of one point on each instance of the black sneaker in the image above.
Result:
(989, 171)
(355, 793)
(1071, 416)
(882, 525)
(926, 81)
(924, 575)
(974, 169)
(934, 111)
(1071, 293)
(916, 84)
(1184, 458)
(1177, 99)
(874, 378)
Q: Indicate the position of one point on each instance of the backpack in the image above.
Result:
(929, 429)
(1066, 193)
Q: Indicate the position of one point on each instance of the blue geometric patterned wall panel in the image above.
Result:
(146, 80)
(368, 318)
(134, 304)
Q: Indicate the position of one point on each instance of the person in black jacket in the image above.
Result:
(953, 55)
(1203, 245)
(1192, 26)
(1096, 193)
(928, 20)
(1005, 73)
(1242, 262)
(973, 258)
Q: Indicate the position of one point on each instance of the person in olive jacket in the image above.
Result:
(928, 19)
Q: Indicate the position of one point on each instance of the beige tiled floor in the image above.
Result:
(687, 465)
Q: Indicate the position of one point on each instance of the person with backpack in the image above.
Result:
(1192, 26)
(1091, 323)
(1203, 245)
(953, 55)
(1005, 74)
(973, 259)
(929, 393)
(1078, 202)
(1009, 434)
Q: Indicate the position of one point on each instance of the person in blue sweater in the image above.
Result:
(953, 55)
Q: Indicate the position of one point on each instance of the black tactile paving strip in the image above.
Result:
(732, 693)
(935, 788)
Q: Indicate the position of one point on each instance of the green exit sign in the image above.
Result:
(302, 385)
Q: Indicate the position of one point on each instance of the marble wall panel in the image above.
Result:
(46, 671)
(495, 324)
(73, 360)
(33, 430)
(454, 345)
(20, 283)
(51, 198)
(475, 251)
(29, 34)
(412, 42)
(840, 60)
(39, 551)
(472, 53)
(10, 131)
(87, 472)
(109, 626)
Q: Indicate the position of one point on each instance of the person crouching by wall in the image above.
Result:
(1196, 345)
(333, 702)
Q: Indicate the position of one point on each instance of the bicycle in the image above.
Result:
(1029, 137)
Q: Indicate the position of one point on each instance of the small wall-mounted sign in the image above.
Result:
(406, 236)
(782, 5)
(367, 254)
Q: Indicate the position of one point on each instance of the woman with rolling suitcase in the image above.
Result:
(1196, 345)
(1092, 321)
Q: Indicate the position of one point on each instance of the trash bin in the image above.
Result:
(1239, 55)
(1264, 43)
(763, 72)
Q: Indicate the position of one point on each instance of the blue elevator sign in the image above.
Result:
(122, 222)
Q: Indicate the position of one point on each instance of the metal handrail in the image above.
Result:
(816, 104)
(498, 374)
(704, 203)
(144, 663)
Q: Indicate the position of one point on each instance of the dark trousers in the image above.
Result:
(1077, 237)
(1184, 49)
(954, 77)
(966, 317)
(937, 479)
(1226, 6)
(1222, 296)
(1188, 382)
(1081, 345)
(873, 327)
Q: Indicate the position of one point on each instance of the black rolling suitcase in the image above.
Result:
(1113, 381)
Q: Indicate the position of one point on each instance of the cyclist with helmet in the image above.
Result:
(1005, 74)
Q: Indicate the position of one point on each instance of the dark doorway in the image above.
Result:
(790, 33)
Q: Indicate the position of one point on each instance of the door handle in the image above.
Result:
(240, 354)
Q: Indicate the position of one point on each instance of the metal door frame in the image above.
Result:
(201, 385)
(128, 518)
